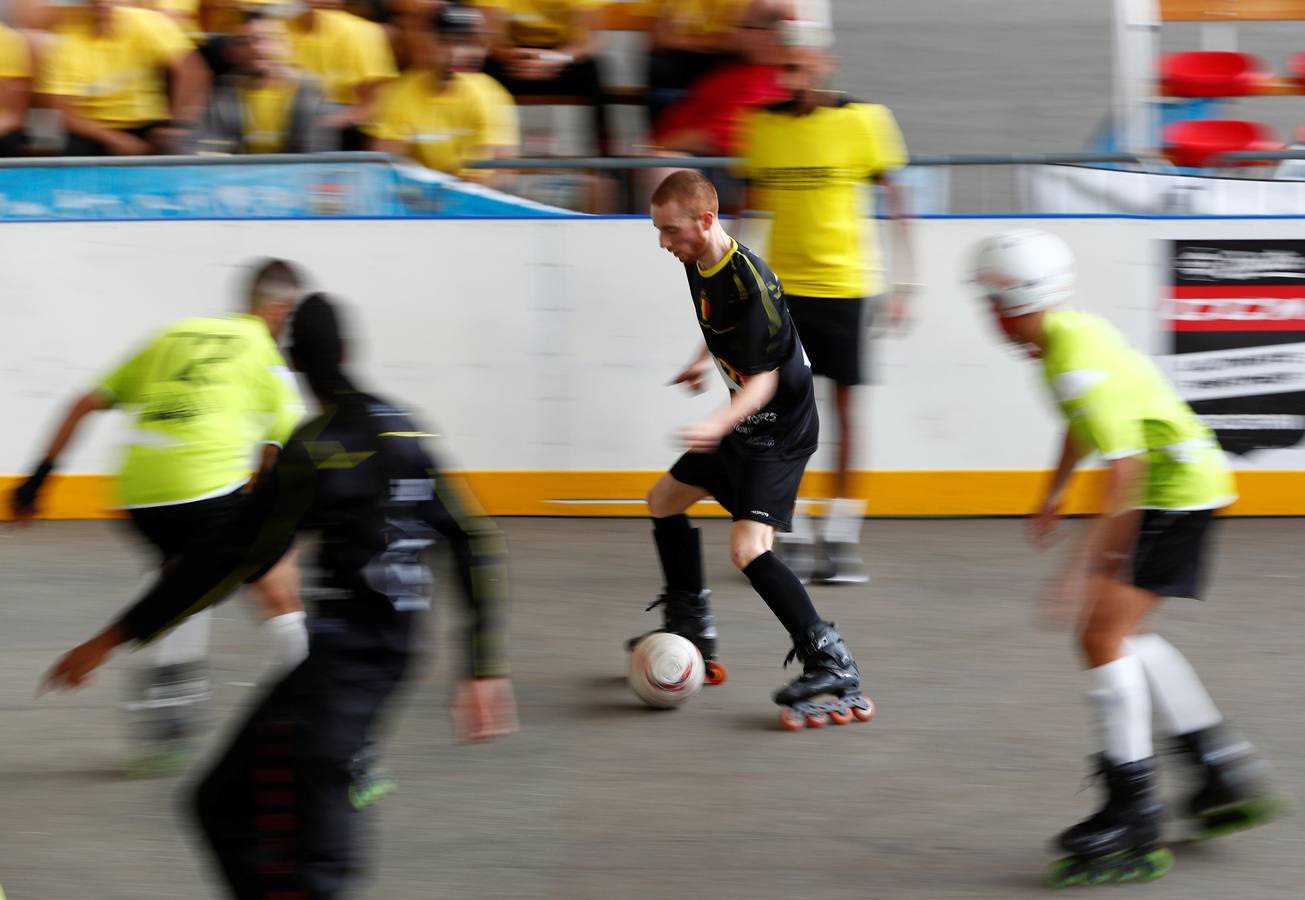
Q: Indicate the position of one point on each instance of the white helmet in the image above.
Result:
(1025, 271)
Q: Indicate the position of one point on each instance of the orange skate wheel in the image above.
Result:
(715, 673)
(791, 720)
(864, 715)
(817, 720)
(840, 717)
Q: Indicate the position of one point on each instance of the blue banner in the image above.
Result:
(269, 190)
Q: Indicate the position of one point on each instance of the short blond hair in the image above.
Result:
(691, 189)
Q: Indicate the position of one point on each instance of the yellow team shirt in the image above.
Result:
(541, 23)
(810, 172)
(442, 131)
(342, 51)
(267, 116)
(15, 61)
(702, 18)
(116, 78)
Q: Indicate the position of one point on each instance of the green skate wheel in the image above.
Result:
(1252, 814)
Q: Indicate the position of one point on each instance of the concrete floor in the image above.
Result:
(973, 761)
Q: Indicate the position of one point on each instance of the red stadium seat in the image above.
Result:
(1191, 144)
(1212, 73)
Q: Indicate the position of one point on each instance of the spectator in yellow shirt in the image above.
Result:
(809, 161)
(547, 47)
(350, 57)
(15, 91)
(126, 81)
(441, 117)
(264, 105)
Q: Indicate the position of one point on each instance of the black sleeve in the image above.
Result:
(245, 546)
(758, 330)
(479, 555)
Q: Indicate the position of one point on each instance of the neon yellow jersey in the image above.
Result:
(811, 172)
(203, 395)
(1118, 404)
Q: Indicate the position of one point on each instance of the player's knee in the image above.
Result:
(743, 552)
(1101, 643)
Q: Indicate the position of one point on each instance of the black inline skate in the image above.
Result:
(829, 688)
(1234, 793)
(1121, 841)
(688, 614)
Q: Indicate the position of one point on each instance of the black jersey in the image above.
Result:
(746, 324)
(363, 481)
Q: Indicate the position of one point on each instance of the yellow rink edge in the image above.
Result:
(620, 493)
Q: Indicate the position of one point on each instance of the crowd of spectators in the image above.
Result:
(433, 80)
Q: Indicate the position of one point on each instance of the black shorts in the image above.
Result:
(762, 490)
(832, 332)
(171, 528)
(1169, 558)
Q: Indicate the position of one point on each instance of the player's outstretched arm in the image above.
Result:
(25, 495)
(1043, 524)
(758, 390)
(695, 373)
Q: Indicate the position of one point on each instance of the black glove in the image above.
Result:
(24, 500)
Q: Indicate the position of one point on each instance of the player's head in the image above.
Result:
(685, 209)
(1023, 273)
(274, 287)
(462, 33)
(807, 63)
(317, 344)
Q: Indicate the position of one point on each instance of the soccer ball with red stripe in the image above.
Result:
(665, 670)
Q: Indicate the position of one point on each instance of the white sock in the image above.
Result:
(1181, 699)
(289, 633)
(843, 523)
(187, 643)
(1123, 706)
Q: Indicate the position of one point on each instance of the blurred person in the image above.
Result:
(749, 456)
(807, 161)
(1166, 478)
(549, 47)
(350, 57)
(126, 81)
(689, 38)
(440, 112)
(275, 807)
(205, 397)
(264, 105)
(707, 120)
(15, 91)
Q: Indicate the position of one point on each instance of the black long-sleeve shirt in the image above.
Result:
(361, 478)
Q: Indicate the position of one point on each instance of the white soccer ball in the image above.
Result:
(665, 670)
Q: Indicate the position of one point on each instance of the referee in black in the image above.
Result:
(275, 808)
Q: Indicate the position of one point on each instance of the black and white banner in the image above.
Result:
(1235, 313)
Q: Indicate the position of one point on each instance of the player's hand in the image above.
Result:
(694, 377)
(1041, 529)
(900, 313)
(75, 667)
(484, 708)
(23, 500)
(706, 435)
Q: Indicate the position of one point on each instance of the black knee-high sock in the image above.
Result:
(680, 551)
(783, 593)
